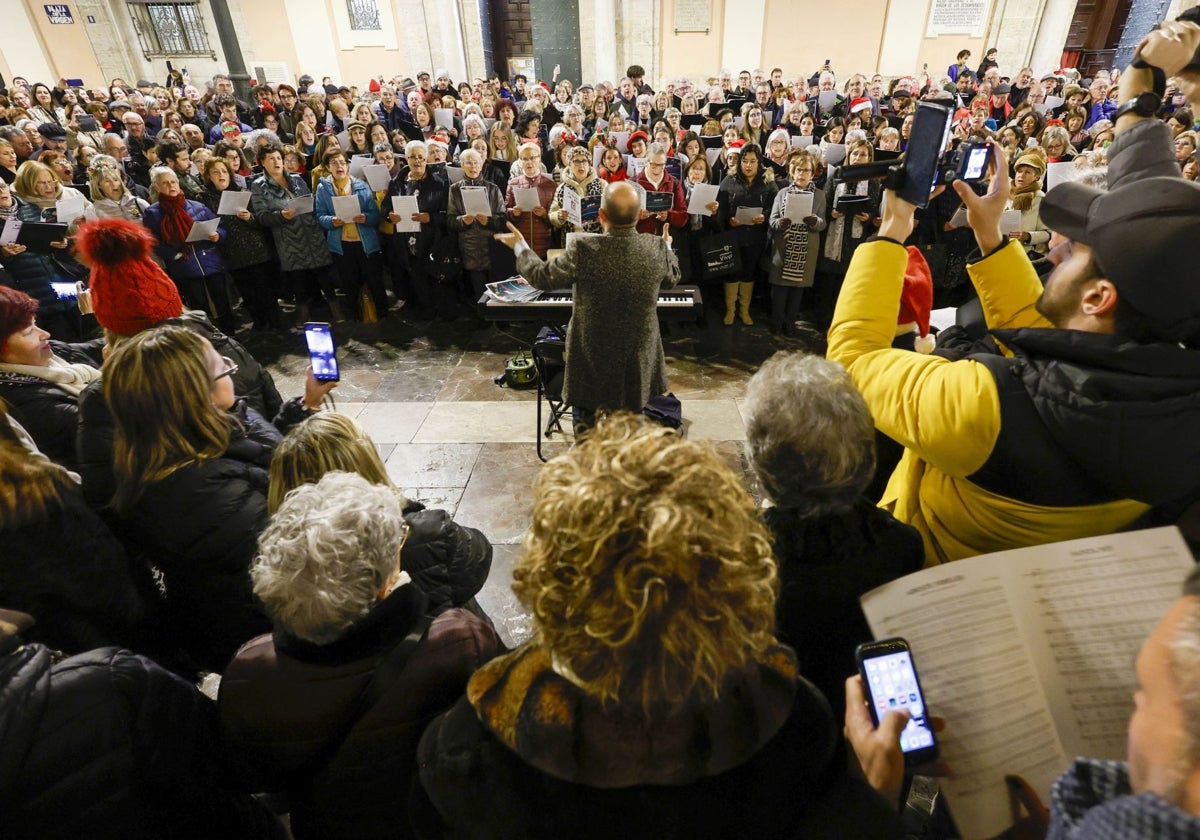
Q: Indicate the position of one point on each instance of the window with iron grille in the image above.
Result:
(364, 14)
(169, 28)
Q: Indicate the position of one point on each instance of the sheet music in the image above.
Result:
(1060, 173)
(68, 210)
(346, 207)
(358, 163)
(826, 99)
(377, 176)
(1028, 654)
(801, 141)
(201, 230)
(526, 198)
(798, 206)
(475, 202)
(233, 202)
(702, 195)
(621, 139)
(12, 229)
(405, 206)
(301, 204)
(747, 215)
(570, 203)
(443, 117)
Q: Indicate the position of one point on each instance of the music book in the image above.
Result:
(659, 202)
(1028, 654)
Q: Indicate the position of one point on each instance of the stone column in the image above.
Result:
(741, 48)
(1051, 36)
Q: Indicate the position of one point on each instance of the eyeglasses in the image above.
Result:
(231, 369)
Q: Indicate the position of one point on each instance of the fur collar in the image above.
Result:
(562, 731)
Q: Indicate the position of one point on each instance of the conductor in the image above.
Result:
(614, 351)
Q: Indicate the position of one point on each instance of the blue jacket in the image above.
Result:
(1101, 111)
(323, 209)
(195, 259)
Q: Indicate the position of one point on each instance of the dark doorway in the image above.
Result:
(512, 33)
(1095, 31)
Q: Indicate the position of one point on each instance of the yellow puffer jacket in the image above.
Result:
(947, 413)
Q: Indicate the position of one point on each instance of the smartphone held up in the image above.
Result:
(891, 683)
(322, 353)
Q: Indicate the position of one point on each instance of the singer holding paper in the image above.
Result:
(475, 212)
(419, 245)
(345, 207)
(580, 182)
(742, 197)
(195, 267)
(1027, 198)
(658, 184)
(531, 215)
(797, 219)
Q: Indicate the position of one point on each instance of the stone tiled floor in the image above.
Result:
(453, 439)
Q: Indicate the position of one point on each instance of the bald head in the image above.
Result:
(621, 205)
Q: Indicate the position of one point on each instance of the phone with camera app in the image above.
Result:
(923, 155)
(65, 291)
(891, 682)
(322, 354)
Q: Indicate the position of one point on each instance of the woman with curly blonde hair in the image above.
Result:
(654, 700)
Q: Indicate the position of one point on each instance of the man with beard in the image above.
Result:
(1088, 426)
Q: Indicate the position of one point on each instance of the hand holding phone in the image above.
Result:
(890, 679)
(322, 354)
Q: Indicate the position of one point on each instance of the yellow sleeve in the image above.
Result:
(1008, 288)
(947, 412)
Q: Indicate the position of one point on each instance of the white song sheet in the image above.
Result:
(702, 196)
(1028, 654)
(405, 206)
(799, 206)
(233, 202)
(346, 207)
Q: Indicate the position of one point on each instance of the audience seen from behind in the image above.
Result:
(654, 699)
(164, 513)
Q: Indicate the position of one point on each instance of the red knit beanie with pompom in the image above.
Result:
(130, 292)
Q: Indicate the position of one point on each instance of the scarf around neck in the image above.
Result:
(176, 223)
(72, 378)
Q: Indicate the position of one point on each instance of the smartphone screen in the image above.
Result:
(321, 352)
(65, 291)
(930, 132)
(891, 680)
(976, 163)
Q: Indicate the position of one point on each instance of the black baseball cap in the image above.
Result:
(1144, 237)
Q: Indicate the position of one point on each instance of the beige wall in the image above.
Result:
(267, 24)
(70, 51)
(799, 34)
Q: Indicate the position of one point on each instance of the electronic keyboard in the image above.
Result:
(682, 303)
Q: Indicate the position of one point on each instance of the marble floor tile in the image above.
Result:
(393, 422)
(513, 622)
(432, 464)
(479, 422)
(713, 420)
(349, 408)
(498, 498)
(411, 381)
(474, 380)
(435, 498)
(385, 451)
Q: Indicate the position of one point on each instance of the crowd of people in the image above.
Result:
(166, 514)
(167, 155)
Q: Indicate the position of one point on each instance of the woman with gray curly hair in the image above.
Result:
(654, 700)
(812, 443)
(330, 707)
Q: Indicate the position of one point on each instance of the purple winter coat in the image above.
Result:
(196, 259)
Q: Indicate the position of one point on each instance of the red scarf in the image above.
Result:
(176, 223)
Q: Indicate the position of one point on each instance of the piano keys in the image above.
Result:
(681, 304)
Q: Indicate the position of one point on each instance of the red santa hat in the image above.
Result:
(860, 103)
(916, 300)
(129, 291)
(373, 86)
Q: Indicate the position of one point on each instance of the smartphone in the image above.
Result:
(88, 123)
(930, 133)
(75, 83)
(890, 678)
(321, 352)
(65, 291)
(973, 161)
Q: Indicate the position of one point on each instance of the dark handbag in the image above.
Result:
(720, 255)
(664, 409)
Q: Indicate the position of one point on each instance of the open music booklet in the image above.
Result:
(515, 289)
(1028, 654)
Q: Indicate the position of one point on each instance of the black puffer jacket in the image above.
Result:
(109, 745)
(47, 412)
(200, 526)
(73, 575)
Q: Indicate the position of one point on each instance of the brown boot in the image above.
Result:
(731, 295)
(744, 292)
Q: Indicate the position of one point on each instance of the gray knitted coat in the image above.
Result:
(614, 350)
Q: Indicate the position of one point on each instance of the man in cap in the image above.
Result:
(54, 139)
(1088, 426)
